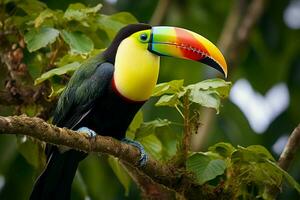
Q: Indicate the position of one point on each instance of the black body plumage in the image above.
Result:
(89, 100)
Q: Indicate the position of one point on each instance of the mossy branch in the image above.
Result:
(290, 149)
(39, 129)
(164, 174)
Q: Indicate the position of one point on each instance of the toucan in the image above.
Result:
(106, 92)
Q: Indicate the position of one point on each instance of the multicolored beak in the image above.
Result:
(182, 43)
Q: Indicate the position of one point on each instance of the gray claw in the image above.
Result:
(143, 154)
(88, 131)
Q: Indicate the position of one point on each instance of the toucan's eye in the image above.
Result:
(143, 37)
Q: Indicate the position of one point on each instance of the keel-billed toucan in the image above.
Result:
(105, 93)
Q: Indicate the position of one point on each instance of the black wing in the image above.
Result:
(85, 86)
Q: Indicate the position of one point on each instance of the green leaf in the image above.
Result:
(207, 99)
(219, 85)
(288, 177)
(31, 151)
(147, 128)
(251, 166)
(260, 164)
(253, 153)
(111, 24)
(121, 173)
(261, 151)
(95, 52)
(35, 65)
(134, 125)
(168, 88)
(58, 71)
(152, 145)
(78, 41)
(80, 13)
(204, 167)
(208, 93)
(31, 7)
(168, 100)
(38, 38)
(56, 90)
(93, 10)
(258, 174)
(74, 12)
(79, 186)
(223, 149)
(70, 58)
(42, 17)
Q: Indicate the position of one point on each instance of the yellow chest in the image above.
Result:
(136, 70)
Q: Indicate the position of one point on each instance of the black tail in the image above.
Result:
(56, 180)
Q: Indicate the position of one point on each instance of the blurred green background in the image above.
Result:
(263, 107)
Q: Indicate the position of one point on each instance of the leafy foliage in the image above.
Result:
(78, 42)
(38, 38)
(244, 169)
(207, 93)
(152, 127)
(57, 41)
(70, 35)
(58, 71)
(121, 173)
(168, 88)
(205, 167)
(241, 167)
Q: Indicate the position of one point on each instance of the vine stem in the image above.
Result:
(186, 128)
(55, 52)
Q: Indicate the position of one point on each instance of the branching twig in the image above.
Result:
(150, 189)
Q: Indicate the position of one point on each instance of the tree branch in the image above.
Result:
(150, 189)
(286, 157)
(164, 174)
(290, 149)
(39, 129)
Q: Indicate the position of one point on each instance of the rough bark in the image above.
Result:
(43, 131)
(164, 174)
(290, 149)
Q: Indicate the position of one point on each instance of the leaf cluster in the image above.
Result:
(207, 93)
(243, 172)
(58, 41)
(246, 172)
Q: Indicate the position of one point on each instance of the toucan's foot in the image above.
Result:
(144, 156)
(89, 133)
